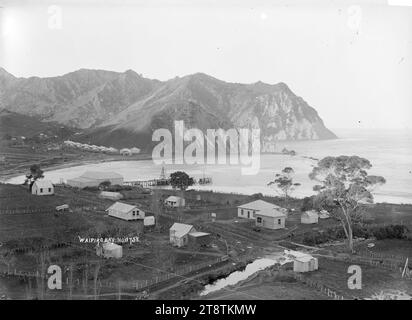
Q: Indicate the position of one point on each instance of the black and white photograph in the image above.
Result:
(210, 152)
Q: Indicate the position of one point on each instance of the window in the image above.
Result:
(241, 211)
(259, 220)
(279, 221)
(49, 189)
(41, 190)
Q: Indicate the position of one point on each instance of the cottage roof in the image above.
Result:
(181, 229)
(198, 234)
(259, 205)
(43, 183)
(122, 207)
(297, 254)
(173, 198)
(304, 258)
(264, 208)
(110, 194)
(110, 246)
(311, 214)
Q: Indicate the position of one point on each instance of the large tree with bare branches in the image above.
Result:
(344, 188)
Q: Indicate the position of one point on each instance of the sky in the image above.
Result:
(351, 62)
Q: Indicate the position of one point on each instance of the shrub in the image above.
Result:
(390, 232)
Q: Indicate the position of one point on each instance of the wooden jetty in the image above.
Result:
(148, 183)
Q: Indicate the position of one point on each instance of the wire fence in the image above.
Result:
(320, 287)
(383, 256)
(134, 285)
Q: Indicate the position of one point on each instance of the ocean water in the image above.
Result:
(390, 153)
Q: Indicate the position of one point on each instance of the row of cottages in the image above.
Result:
(42, 188)
(267, 215)
(94, 179)
(175, 202)
(312, 216)
(125, 211)
(182, 234)
(129, 152)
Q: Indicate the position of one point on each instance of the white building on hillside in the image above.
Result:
(42, 188)
(174, 202)
(125, 211)
(324, 215)
(309, 217)
(110, 195)
(125, 152)
(149, 221)
(302, 262)
(179, 233)
(249, 209)
(270, 219)
(109, 250)
(135, 150)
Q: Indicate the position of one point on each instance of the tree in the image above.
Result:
(35, 173)
(307, 204)
(181, 180)
(104, 185)
(344, 188)
(283, 182)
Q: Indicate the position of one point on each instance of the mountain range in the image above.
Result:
(124, 108)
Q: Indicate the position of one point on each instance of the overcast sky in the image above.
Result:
(352, 63)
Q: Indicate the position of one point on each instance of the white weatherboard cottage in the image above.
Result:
(267, 215)
(302, 262)
(179, 233)
(270, 219)
(125, 211)
(175, 202)
(110, 195)
(42, 188)
(149, 221)
(309, 217)
(109, 250)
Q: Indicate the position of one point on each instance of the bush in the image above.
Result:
(380, 233)
(390, 232)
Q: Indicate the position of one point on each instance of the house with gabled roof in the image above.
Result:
(265, 214)
(42, 187)
(309, 217)
(174, 201)
(125, 211)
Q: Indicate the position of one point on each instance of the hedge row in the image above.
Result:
(359, 231)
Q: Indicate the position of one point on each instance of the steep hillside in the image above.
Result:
(118, 107)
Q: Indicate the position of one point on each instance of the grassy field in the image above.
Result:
(334, 274)
(153, 255)
(276, 290)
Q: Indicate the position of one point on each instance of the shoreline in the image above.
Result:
(4, 178)
(71, 164)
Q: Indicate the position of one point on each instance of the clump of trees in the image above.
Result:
(344, 188)
(359, 231)
(283, 182)
(35, 173)
(181, 180)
